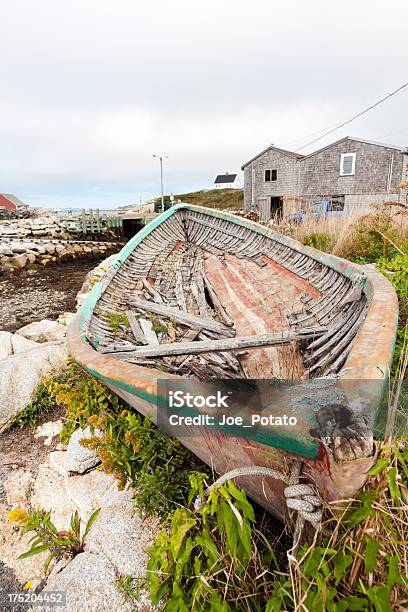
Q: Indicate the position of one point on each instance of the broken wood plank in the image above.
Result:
(228, 344)
(217, 303)
(135, 327)
(181, 300)
(148, 332)
(183, 317)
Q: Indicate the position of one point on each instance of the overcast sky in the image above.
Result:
(90, 89)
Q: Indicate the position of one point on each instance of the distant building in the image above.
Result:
(351, 173)
(10, 202)
(227, 181)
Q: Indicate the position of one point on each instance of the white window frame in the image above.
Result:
(353, 167)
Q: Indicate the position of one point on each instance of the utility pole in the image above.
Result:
(161, 157)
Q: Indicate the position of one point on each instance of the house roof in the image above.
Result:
(302, 156)
(225, 178)
(11, 198)
(372, 142)
(272, 148)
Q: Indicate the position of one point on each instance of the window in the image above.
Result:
(347, 164)
(336, 204)
(271, 175)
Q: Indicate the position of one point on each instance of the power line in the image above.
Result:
(363, 112)
(393, 133)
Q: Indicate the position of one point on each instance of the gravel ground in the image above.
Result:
(33, 295)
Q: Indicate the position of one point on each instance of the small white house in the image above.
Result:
(227, 181)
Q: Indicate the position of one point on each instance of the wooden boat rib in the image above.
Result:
(205, 295)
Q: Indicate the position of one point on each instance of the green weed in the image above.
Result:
(42, 403)
(47, 537)
(319, 240)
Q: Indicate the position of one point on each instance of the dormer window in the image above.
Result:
(347, 164)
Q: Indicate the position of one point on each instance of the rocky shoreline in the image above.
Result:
(16, 255)
(36, 471)
(40, 292)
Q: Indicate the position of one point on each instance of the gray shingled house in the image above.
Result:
(351, 174)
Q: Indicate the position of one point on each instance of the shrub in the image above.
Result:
(137, 453)
(319, 240)
(132, 448)
(362, 565)
(396, 271)
(211, 560)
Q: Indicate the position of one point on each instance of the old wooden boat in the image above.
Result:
(201, 296)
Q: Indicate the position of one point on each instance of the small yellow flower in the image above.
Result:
(28, 585)
(18, 515)
(123, 413)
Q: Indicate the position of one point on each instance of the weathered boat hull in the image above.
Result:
(365, 372)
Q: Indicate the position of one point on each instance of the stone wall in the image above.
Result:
(18, 254)
(49, 226)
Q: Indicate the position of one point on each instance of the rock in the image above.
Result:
(19, 261)
(59, 248)
(65, 318)
(11, 344)
(17, 487)
(49, 430)
(13, 544)
(86, 491)
(50, 248)
(5, 344)
(18, 247)
(49, 494)
(90, 583)
(31, 257)
(40, 249)
(131, 534)
(43, 331)
(4, 250)
(80, 459)
(20, 375)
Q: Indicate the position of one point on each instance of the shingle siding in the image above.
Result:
(318, 174)
(286, 183)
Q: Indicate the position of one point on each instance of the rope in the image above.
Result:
(300, 497)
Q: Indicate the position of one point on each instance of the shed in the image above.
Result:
(10, 202)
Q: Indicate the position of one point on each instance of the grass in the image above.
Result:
(222, 199)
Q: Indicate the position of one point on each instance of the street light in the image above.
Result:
(161, 157)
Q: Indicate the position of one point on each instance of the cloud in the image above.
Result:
(90, 90)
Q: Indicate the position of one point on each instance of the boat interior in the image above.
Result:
(213, 298)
